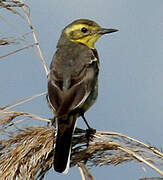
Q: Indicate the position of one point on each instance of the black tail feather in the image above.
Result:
(63, 143)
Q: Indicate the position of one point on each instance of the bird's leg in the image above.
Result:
(90, 131)
(86, 121)
(53, 121)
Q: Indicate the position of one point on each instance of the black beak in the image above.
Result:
(106, 31)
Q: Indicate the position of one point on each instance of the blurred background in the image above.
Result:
(130, 97)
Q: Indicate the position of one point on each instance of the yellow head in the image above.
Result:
(85, 31)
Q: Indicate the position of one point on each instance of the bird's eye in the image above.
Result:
(84, 29)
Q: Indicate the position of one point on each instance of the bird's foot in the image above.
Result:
(89, 134)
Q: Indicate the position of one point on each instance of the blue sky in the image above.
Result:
(130, 83)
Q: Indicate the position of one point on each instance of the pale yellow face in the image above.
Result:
(83, 33)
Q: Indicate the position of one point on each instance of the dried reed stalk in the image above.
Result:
(11, 5)
(28, 152)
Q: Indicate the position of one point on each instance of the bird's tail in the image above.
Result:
(63, 143)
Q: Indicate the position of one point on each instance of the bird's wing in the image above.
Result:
(77, 94)
(79, 86)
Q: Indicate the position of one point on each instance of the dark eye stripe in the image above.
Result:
(84, 29)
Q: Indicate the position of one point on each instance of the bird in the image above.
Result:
(73, 82)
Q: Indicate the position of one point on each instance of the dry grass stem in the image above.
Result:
(11, 5)
(13, 52)
(15, 40)
(22, 37)
(36, 39)
(7, 116)
(29, 152)
(85, 174)
(20, 102)
(133, 153)
(26, 153)
(6, 41)
(156, 151)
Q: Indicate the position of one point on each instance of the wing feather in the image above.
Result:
(71, 79)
